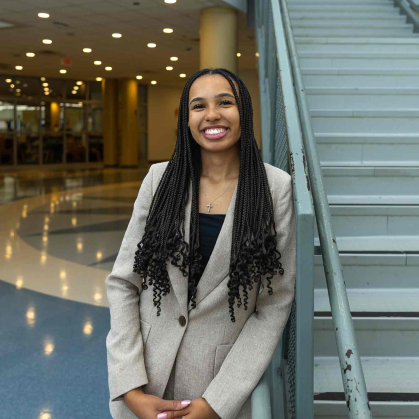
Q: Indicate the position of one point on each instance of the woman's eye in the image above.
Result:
(223, 102)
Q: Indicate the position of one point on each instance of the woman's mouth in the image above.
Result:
(215, 134)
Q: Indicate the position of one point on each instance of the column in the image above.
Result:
(128, 122)
(218, 38)
(110, 135)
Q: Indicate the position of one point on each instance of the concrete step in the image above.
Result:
(372, 185)
(393, 48)
(371, 270)
(376, 335)
(389, 15)
(363, 32)
(374, 221)
(360, 77)
(402, 61)
(337, 149)
(342, 6)
(341, 2)
(392, 384)
(350, 24)
(377, 121)
(362, 97)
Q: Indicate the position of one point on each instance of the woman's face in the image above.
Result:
(211, 102)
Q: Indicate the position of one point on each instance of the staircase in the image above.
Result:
(360, 63)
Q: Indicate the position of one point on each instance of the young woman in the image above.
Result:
(189, 320)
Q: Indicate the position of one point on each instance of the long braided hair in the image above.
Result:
(253, 247)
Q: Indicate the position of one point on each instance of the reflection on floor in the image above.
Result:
(61, 234)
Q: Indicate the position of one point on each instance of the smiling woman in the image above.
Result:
(194, 352)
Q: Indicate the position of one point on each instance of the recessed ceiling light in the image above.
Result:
(168, 30)
(98, 78)
(30, 54)
(17, 81)
(47, 41)
(108, 68)
(8, 80)
(174, 58)
(151, 45)
(169, 68)
(257, 54)
(76, 88)
(170, 1)
(19, 67)
(80, 103)
(87, 50)
(63, 71)
(25, 85)
(79, 83)
(44, 84)
(46, 88)
(12, 85)
(153, 82)
(46, 93)
(18, 90)
(43, 15)
(139, 77)
(238, 54)
(116, 35)
(17, 94)
(97, 62)
(182, 75)
(42, 78)
(74, 92)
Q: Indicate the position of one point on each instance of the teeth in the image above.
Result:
(215, 131)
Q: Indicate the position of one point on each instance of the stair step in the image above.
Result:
(374, 221)
(378, 121)
(372, 185)
(359, 60)
(350, 24)
(348, 15)
(335, 6)
(355, 40)
(378, 98)
(383, 301)
(374, 270)
(345, 32)
(358, 49)
(360, 78)
(391, 382)
(342, 2)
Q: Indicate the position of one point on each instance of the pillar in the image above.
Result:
(128, 122)
(110, 137)
(218, 38)
(55, 116)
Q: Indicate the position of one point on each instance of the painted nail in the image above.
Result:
(162, 416)
(185, 402)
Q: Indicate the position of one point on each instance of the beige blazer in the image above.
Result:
(188, 354)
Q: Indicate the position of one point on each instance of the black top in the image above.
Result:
(209, 229)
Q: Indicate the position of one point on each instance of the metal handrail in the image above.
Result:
(277, 93)
(351, 369)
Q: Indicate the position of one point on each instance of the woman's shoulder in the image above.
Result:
(276, 176)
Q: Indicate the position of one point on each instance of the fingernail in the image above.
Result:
(185, 402)
(162, 416)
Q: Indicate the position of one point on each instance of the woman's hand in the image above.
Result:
(198, 409)
(147, 406)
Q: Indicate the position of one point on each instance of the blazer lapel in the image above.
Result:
(218, 265)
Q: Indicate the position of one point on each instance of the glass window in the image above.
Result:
(6, 132)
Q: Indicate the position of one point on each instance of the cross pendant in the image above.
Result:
(209, 206)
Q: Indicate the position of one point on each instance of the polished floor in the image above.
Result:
(61, 232)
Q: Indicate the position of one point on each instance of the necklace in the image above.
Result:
(209, 206)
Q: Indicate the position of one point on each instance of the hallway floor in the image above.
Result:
(61, 233)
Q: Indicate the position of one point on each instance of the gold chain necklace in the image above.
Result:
(209, 206)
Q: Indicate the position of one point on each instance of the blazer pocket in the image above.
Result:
(145, 330)
(221, 352)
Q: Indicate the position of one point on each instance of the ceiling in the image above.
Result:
(76, 24)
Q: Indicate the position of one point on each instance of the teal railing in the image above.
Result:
(288, 142)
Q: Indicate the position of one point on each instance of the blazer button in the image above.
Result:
(182, 321)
